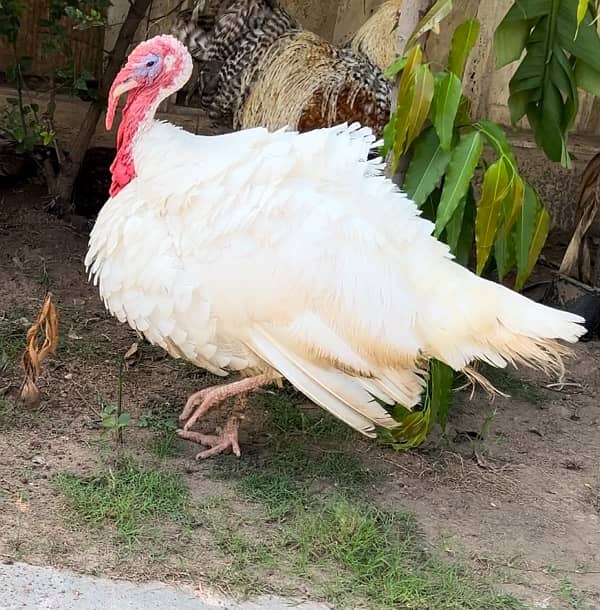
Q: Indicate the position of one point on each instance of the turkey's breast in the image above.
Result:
(137, 257)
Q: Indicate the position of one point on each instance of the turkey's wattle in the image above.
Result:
(291, 255)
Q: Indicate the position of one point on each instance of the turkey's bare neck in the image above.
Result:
(137, 116)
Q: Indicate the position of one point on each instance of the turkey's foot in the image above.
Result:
(201, 402)
(222, 443)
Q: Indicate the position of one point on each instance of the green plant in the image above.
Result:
(113, 418)
(439, 152)
(127, 496)
(562, 55)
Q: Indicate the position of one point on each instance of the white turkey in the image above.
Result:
(286, 255)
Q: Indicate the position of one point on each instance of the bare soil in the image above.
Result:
(514, 487)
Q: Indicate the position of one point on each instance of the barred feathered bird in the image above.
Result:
(266, 71)
(286, 255)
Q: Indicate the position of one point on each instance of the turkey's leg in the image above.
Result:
(228, 439)
(199, 403)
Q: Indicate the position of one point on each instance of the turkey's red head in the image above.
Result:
(154, 70)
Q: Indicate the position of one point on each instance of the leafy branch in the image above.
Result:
(562, 55)
(504, 227)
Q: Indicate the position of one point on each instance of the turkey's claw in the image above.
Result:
(228, 440)
(201, 402)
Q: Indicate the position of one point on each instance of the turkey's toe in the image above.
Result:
(225, 442)
(193, 402)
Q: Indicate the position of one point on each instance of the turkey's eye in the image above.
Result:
(150, 63)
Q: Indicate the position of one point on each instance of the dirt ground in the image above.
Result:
(514, 487)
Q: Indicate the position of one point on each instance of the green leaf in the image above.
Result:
(514, 204)
(525, 228)
(427, 166)
(439, 11)
(531, 242)
(395, 67)
(461, 168)
(464, 247)
(496, 184)
(441, 378)
(504, 247)
(496, 137)
(510, 38)
(412, 430)
(448, 92)
(582, 7)
(389, 135)
(123, 420)
(421, 103)
(406, 94)
(581, 40)
(587, 78)
(463, 40)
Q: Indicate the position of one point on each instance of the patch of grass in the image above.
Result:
(129, 497)
(569, 594)
(518, 388)
(286, 475)
(318, 527)
(165, 445)
(159, 423)
(13, 333)
(380, 558)
(289, 415)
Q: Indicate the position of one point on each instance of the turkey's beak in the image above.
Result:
(122, 84)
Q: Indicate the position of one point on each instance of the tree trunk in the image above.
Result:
(63, 184)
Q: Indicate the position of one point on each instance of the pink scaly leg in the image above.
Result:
(201, 402)
(205, 399)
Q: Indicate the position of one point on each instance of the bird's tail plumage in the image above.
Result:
(488, 322)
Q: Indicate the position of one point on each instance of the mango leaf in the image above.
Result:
(496, 137)
(587, 78)
(504, 246)
(426, 168)
(582, 7)
(403, 112)
(395, 67)
(581, 40)
(389, 135)
(439, 391)
(525, 228)
(514, 204)
(421, 103)
(412, 430)
(448, 92)
(510, 39)
(537, 232)
(464, 247)
(431, 20)
(496, 184)
(455, 225)
(461, 168)
(406, 93)
(463, 40)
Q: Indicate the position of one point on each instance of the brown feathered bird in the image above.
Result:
(265, 70)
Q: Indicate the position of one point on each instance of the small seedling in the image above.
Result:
(113, 418)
